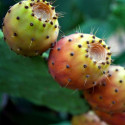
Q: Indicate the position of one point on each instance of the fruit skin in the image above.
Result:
(89, 118)
(25, 32)
(71, 62)
(109, 95)
(112, 119)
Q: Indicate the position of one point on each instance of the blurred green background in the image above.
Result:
(28, 94)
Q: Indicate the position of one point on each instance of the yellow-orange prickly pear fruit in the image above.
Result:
(109, 94)
(79, 60)
(30, 27)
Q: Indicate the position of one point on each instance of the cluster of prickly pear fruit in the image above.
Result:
(108, 98)
(77, 61)
(89, 118)
(30, 27)
(82, 61)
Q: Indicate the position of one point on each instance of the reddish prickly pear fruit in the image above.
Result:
(108, 95)
(30, 27)
(77, 61)
(89, 118)
(112, 119)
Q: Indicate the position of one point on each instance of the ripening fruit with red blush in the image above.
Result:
(109, 94)
(112, 118)
(30, 27)
(77, 61)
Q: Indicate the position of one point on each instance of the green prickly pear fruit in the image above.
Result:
(30, 27)
(77, 61)
(109, 94)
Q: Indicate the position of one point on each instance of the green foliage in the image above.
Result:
(117, 15)
(95, 8)
(70, 15)
(1, 34)
(29, 78)
(77, 12)
(120, 59)
(101, 29)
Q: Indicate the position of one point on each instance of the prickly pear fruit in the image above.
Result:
(112, 119)
(89, 118)
(77, 61)
(109, 94)
(30, 27)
